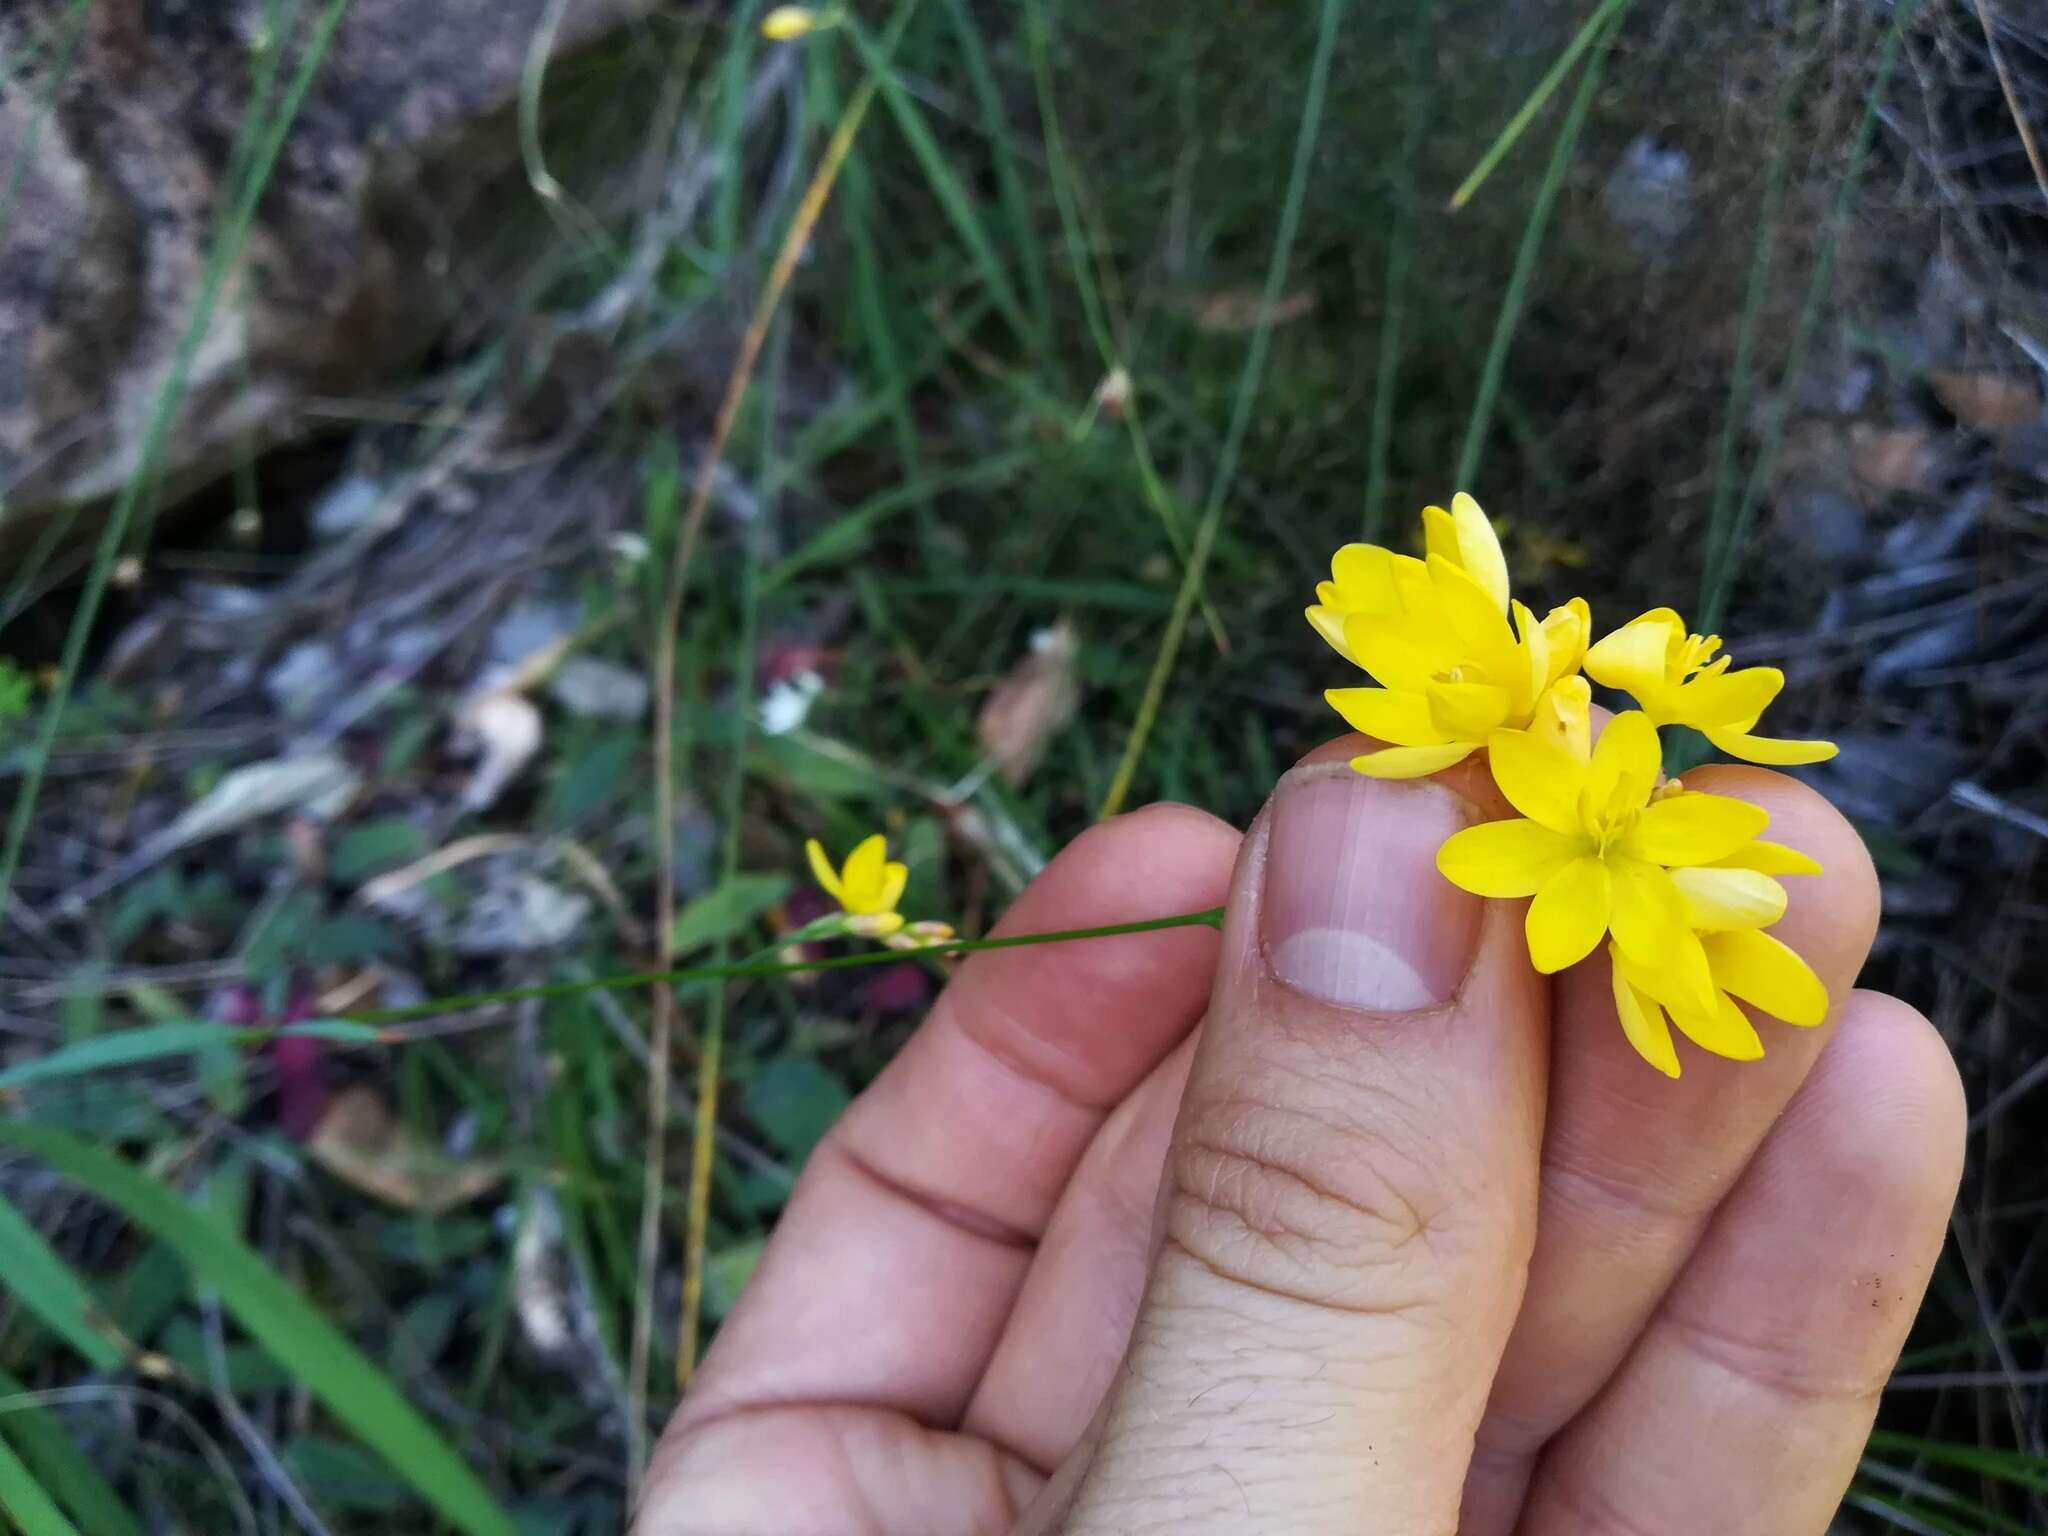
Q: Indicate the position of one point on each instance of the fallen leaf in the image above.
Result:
(505, 731)
(1986, 400)
(1234, 310)
(1892, 458)
(363, 1144)
(1032, 705)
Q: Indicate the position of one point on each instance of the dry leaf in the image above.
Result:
(505, 730)
(1892, 458)
(1985, 400)
(1032, 704)
(1233, 310)
(363, 1144)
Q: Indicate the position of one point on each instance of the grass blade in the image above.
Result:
(952, 196)
(1241, 411)
(59, 1465)
(48, 1288)
(1545, 89)
(1510, 316)
(154, 1042)
(163, 420)
(23, 1500)
(299, 1338)
(1718, 584)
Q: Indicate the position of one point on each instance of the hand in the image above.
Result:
(1433, 1250)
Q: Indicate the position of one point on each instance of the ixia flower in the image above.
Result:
(1676, 678)
(787, 23)
(1744, 964)
(867, 887)
(1457, 658)
(1603, 848)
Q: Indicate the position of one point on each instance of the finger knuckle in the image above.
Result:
(1341, 1216)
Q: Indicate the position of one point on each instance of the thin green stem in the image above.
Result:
(1720, 584)
(1545, 89)
(1510, 316)
(441, 1007)
(1400, 250)
(1241, 411)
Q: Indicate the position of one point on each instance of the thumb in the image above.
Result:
(1350, 1196)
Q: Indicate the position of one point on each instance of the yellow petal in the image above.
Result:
(894, 877)
(1693, 828)
(1569, 915)
(1626, 761)
(1769, 859)
(1648, 914)
(862, 874)
(1766, 749)
(1400, 719)
(1726, 698)
(1564, 717)
(1505, 858)
(823, 872)
(1568, 628)
(1717, 899)
(1725, 1030)
(1479, 550)
(1684, 983)
(1329, 623)
(786, 23)
(1540, 780)
(1633, 658)
(1413, 762)
(1397, 651)
(1467, 711)
(1412, 586)
(1760, 970)
(1364, 578)
(1440, 535)
(1474, 619)
(1642, 1020)
(1534, 645)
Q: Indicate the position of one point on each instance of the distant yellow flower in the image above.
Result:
(1676, 679)
(1604, 849)
(1436, 634)
(867, 887)
(786, 23)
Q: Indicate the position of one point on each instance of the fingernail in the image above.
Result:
(1355, 911)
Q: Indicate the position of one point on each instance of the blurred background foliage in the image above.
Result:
(356, 413)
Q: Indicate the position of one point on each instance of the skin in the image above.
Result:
(1152, 1239)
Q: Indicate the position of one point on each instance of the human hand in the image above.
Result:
(1430, 1238)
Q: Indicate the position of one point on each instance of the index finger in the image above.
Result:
(894, 1267)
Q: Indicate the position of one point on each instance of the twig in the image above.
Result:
(805, 221)
(2012, 97)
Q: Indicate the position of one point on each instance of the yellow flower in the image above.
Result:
(1746, 965)
(1676, 679)
(1604, 849)
(867, 887)
(1457, 658)
(786, 23)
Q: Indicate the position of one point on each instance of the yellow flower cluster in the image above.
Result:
(868, 888)
(1678, 883)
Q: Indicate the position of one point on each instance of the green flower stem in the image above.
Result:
(1212, 918)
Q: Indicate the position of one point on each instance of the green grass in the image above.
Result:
(1047, 195)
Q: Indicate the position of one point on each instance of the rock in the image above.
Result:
(122, 185)
(1822, 523)
(1649, 196)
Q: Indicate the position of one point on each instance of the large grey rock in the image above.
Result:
(123, 129)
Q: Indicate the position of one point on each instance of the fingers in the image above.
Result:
(891, 1272)
(1072, 1320)
(1350, 1188)
(1635, 1163)
(1745, 1405)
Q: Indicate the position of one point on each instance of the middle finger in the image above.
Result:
(1634, 1164)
